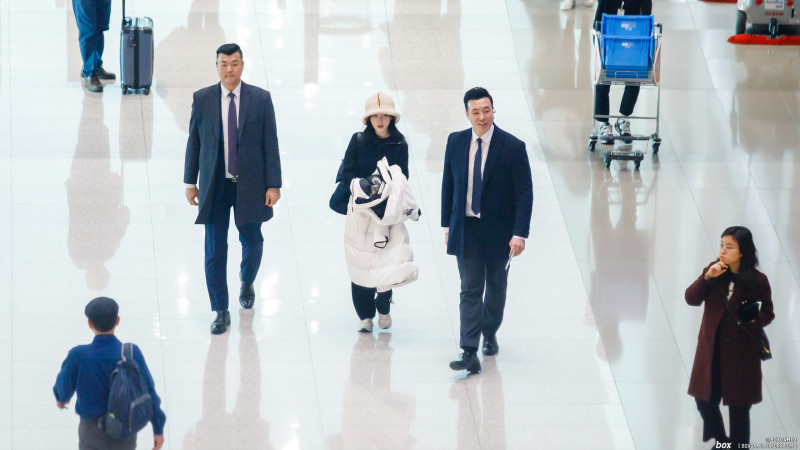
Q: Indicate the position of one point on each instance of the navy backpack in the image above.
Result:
(130, 406)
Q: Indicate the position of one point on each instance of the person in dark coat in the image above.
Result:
(727, 363)
(380, 139)
(631, 94)
(233, 152)
(487, 202)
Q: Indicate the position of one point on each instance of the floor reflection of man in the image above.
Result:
(184, 49)
(482, 417)
(567, 45)
(98, 217)
(417, 78)
(243, 427)
(374, 416)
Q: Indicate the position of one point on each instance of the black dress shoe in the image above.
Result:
(247, 295)
(490, 347)
(103, 74)
(469, 361)
(221, 322)
(93, 84)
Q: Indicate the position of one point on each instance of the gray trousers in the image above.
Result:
(92, 437)
(483, 290)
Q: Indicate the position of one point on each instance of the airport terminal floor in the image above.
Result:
(597, 343)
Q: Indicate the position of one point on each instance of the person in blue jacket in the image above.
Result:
(87, 371)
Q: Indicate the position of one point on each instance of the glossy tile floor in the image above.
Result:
(597, 344)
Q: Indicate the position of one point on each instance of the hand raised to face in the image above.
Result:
(717, 269)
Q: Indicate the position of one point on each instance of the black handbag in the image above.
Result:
(341, 194)
(748, 310)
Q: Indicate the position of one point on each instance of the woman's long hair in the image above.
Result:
(393, 131)
(749, 261)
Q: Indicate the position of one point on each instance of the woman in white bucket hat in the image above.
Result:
(380, 139)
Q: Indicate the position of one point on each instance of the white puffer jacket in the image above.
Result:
(377, 249)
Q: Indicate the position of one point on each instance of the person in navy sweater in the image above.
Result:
(87, 370)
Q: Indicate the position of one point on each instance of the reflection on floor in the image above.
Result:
(597, 343)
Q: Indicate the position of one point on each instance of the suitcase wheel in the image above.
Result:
(147, 91)
(124, 90)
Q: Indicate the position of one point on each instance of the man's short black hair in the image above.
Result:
(477, 93)
(102, 311)
(230, 50)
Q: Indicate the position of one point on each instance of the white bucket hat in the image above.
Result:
(379, 103)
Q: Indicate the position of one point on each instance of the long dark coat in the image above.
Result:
(740, 355)
(259, 158)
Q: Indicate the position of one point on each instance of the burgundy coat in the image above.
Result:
(740, 355)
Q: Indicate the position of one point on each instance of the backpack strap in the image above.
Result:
(130, 351)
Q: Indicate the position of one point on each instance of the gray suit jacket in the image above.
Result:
(259, 159)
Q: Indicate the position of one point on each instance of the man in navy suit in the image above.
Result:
(487, 198)
(233, 150)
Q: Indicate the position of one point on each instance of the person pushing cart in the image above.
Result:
(626, 51)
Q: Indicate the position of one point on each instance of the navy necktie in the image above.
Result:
(233, 136)
(477, 183)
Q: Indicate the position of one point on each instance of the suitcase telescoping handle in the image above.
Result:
(123, 11)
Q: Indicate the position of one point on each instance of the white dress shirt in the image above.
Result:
(486, 139)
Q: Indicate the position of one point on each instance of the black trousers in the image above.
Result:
(601, 105)
(713, 426)
(483, 289)
(216, 248)
(92, 437)
(366, 301)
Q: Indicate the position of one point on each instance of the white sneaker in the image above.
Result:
(566, 5)
(606, 133)
(365, 326)
(384, 320)
(588, 3)
(623, 126)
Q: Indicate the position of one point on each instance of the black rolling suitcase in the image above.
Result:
(136, 53)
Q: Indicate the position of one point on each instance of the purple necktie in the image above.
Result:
(233, 136)
(477, 184)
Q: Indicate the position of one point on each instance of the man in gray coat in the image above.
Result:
(233, 152)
